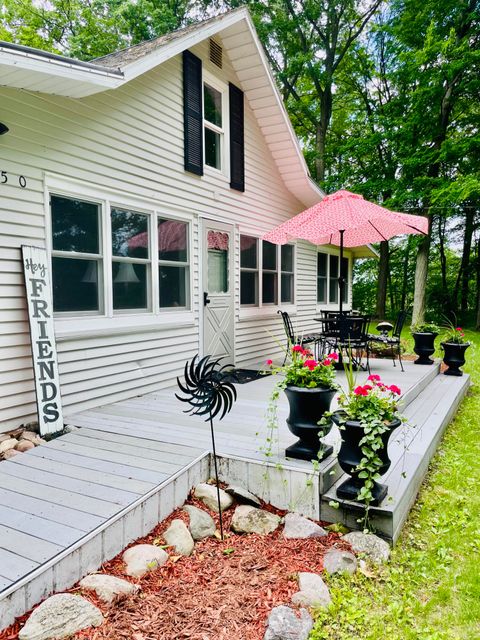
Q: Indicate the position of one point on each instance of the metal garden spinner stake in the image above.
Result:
(209, 393)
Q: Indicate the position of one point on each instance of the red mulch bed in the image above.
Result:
(224, 590)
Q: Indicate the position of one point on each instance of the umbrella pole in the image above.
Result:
(340, 276)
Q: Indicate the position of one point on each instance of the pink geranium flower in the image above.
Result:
(269, 363)
(298, 349)
(360, 391)
(374, 377)
(333, 356)
(310, 364)
(394, 389)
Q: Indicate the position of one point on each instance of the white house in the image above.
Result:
(150, 175)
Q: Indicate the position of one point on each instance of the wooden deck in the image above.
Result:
(69, 505)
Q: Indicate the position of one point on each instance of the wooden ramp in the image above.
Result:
(69, 505)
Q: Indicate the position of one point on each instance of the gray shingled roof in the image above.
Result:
(119, 59)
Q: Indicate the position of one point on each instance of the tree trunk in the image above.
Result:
(421, 271)
(321, 134)
(382, 280)
(477, 323)
(406, 260)
(465, 266)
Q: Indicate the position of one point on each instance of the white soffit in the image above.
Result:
(33, 70)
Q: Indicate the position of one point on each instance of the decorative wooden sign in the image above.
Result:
(36, 268)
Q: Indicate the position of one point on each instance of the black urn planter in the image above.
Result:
(424, 347)
(350, 455)
(307, 407)
(454, 357)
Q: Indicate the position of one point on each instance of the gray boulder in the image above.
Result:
(177, 535)
(107, 587)
(143, 558)
(60, 616)
(296, 526)
(243, 496)
(202, 525)
(374, 548)
(248, 519)
(335, 561)
(284, 624)
(313, 591)
(207, 493)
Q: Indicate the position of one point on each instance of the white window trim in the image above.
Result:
(333, 305)
(222, 87)
(268, 310)
(71, 325)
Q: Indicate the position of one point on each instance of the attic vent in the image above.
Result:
(216, 53)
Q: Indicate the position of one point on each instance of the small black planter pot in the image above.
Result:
(307, 407)
(350, 455)
(454, 357)
(424, 347)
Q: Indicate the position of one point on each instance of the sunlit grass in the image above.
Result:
(431, 588)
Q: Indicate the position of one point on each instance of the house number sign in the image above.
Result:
(36, 268)
(6, 178)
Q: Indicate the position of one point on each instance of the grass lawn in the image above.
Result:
(430, 590)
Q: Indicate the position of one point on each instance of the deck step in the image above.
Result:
(411, 449)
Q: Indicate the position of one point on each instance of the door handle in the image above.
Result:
(206, 299)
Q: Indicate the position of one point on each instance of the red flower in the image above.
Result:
(333, 356)
(394, 389)
(297, 348)
(459, 329)
(310, 364)
(327, 362)
(374, 377)
(368, 387)
(360, 391)
(269, 363)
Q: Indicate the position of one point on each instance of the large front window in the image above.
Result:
(149, 259)
(267, 273)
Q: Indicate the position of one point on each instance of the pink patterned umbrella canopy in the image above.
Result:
(363, 222)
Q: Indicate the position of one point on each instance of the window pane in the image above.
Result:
(248, 252)
(287, 287)
(269, 256)
(129, 285)
(212, 149)
(212, 100)
(75, 225)
(287, 257)
(173, 286)
(321, 290)
(333, 292)
(249, 287)
(217, 271)
(129, 234)
(75, 284)
(321, 264)
(172, 240)
(345, 275)
(269, 283)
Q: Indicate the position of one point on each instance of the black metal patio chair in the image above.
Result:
(297, 338)
(392, 341)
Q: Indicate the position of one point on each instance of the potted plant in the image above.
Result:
(454, 347)
(310, 386)
(367, 417)
(424, 335)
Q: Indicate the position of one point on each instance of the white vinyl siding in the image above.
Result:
(128, 142)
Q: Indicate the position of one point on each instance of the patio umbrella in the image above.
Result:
(346, 219)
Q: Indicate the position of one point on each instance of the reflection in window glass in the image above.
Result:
(173, 289)
(129, 285)
(213, 153)
(269, 256)
(248, 252)
(129, 234)
(287, 257)
(249, 288)
(75, 284)
(333, 284)
(322, 277)
(212, 105)
(286, 276)
(172, 240)
(269, 290)
(345, 276)
(248, 270)
(217, 271)
(75, 225)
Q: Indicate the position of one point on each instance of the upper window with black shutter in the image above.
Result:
(237, 145)
(193, 113)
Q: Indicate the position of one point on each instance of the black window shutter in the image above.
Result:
(237, 145)
(192, 113)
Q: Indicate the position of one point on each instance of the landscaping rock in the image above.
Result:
(4, 436)
(313, 591)
(11, 453)
(24, 445)
(374, 548)
(60, 616)
(8, 444)
(243, 496)
(248, 519)
(143, 558)
(296, 526)
(207, 493)
(31, 436)
(284, 624)
(202, 525)
(107, 587)
(177, 535)
(335, 561)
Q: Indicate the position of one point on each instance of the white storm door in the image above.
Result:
(218, 298)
